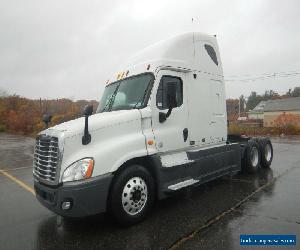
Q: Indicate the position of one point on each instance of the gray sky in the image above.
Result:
(69, 48)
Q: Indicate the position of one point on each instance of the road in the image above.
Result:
(211, 216)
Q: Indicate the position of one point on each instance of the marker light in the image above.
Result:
(150, 142)
(79, 170)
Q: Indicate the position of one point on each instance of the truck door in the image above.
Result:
(171, 134)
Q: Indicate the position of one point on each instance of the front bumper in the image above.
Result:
(88, 197)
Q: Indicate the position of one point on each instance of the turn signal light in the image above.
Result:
(150, 142)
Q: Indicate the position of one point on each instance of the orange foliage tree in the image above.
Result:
(287, 119)
(22, 115)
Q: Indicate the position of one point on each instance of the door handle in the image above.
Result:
(185, 134)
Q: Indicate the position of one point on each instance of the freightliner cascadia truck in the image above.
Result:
(160, 127)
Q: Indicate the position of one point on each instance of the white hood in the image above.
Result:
(96, 122)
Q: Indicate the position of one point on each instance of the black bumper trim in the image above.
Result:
(88, 197)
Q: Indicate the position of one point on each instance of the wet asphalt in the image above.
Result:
(211, 216)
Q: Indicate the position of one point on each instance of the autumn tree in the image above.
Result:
(287, 119)
(22, 115)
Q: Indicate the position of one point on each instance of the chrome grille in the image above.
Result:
(46, 157)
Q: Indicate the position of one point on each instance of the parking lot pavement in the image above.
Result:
(15, 151)
(274, 210)
(208, 217)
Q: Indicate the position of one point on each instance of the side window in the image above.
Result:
(212, 53)
(167, 86)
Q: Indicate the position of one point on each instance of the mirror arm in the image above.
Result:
(169, 112)
(47, 119)
(163, 116)
(86, 138)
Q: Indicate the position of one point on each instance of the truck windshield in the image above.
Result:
(130, 93)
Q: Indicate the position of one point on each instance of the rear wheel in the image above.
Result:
(132, 195)
(266, 152)
(251, 157)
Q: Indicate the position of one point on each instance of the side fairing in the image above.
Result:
(110, 147)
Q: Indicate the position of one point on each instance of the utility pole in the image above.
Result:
(239, 107)
(40, 105)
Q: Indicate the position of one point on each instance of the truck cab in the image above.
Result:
(160, 126)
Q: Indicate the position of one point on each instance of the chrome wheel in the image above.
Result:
(268, 152)
(254, 156)
(134, 195)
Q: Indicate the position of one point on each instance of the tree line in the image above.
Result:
(24, 116)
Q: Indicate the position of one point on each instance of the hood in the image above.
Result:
(96, 122)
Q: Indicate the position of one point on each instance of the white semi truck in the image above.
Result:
(161, 126)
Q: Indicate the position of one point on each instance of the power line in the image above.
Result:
(264, 76)
(268, 73)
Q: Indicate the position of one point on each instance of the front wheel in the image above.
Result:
(132, 195)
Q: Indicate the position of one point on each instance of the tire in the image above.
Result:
(251, 157)
(266, 150)
(132, 195)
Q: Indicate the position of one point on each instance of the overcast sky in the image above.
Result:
(54, 49)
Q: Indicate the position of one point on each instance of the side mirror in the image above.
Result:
(47, 119)
(162, 117)
(172, 101)
(86, 138)
(88, 110)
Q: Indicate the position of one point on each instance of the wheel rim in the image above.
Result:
(254, 157)
(268, 152)
(134, 195)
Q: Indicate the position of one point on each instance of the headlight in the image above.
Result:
(79, 170)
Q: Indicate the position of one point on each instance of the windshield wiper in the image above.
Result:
(102, 110)
(143, 97)
(110, 101)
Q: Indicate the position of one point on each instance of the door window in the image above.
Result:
(167, 86)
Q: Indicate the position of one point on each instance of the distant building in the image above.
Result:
(258, 112)
(274, 108)
(271, 112)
